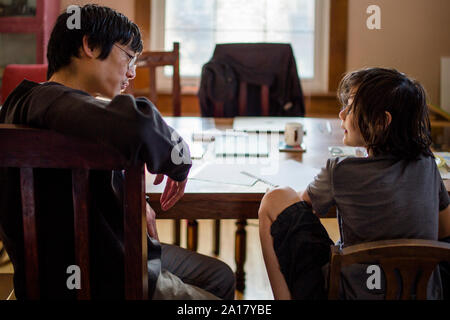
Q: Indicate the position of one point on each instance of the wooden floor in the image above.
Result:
(6, 274)
(257, 282)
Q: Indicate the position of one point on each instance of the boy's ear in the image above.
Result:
(89, 52)
(388, 118)
(385, 125)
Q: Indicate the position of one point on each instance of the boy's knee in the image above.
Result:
(276, 200)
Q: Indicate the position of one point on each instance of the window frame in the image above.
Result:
(319, 84)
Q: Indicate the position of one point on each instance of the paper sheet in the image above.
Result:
(223, 173)
(443, 163)
(343, 151)
(289, 173)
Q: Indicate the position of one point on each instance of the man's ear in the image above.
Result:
(86, 50)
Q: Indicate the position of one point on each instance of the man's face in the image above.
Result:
(115, 72)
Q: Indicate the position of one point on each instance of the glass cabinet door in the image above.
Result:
(17, 8)
(11, 44)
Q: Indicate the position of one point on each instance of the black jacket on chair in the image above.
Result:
(271, 64)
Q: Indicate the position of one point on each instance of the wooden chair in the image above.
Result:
(26, 148)
(152, 60)
(251, 79)
(414, 259)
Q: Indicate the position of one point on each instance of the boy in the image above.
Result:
(396, 192)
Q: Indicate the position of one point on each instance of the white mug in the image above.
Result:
(293, 134)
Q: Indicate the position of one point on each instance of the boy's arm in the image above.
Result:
(444, 223)
(304, 196)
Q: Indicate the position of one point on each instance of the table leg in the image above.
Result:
(2, 249)
(216, 237)
(177, 232)
(240, 252)
(192, 235)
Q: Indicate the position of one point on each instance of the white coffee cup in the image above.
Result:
(293, 134)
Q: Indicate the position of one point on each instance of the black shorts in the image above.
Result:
(302, 246)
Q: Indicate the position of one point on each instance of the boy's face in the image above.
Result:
(115, 72)
(352, 135)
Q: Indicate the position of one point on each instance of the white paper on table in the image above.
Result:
(197, 150)
(445, 174)
(443, 163)
(344, 151)
(289, 173)
(223, 173)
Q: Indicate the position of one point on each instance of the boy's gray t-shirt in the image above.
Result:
(380, 198)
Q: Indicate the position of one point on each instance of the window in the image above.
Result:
(198, 25)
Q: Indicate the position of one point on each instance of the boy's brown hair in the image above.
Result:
(377, 90)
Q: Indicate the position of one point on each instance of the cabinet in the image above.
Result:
(25, 27)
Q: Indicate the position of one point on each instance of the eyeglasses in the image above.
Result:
(132, 63)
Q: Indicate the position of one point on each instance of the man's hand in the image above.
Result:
(151, 222)
(173, 191)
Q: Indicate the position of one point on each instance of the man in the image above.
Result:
(98, 59)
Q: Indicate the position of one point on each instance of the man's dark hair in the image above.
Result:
(103, 26)
(377, 90)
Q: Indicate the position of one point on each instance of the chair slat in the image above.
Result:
(176, 83)
(335, 274)
(80, 192)
(30, 233)
(265, 101)
(409, 276)
(243, 99)
(135, 235)
(153, 95)
(422, 284)
(391, 282)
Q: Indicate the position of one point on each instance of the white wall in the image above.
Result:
(414, 35)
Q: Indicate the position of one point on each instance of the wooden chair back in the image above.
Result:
(413, 259)
(152, 60)
(260, 71)
(243, 105)
(27, 148)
